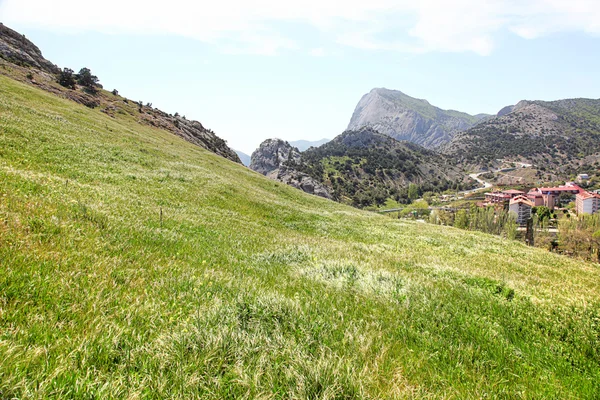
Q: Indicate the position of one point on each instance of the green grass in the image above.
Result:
(248, 288)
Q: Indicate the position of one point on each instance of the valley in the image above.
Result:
(140, 259)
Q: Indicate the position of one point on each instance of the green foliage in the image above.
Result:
(252, 289)
(413, 192)
(66, 78)
(543, 213)
(365, 168)
(86, 79)
(580, 236)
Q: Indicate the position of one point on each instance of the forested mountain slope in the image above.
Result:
(562, 136)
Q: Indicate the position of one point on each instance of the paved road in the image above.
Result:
(487, 185)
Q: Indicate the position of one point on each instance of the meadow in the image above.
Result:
(136, 265)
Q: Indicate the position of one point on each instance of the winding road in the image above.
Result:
(487, 185)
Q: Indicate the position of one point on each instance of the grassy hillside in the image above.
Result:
(248, 288)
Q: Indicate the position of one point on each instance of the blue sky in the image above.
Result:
(298, 72)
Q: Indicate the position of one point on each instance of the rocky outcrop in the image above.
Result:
(16, 48)
(192, 131)
(505, 111)
(270, 160)
(402, 117)
(270, 156)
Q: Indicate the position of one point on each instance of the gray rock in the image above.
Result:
(14, 47)
(271, 154)
(270, 159)
(402, 117)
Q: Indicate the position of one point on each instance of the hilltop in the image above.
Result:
(562, 137)
(20, 59)
(402, 117)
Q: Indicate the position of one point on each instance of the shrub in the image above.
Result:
(66, 78)
(85, 78)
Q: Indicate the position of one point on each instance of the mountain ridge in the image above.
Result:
(403, 117)
(561, 136)
(361, 168)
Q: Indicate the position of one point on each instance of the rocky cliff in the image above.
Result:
(17, 49)
(402, 117)
(270, 159)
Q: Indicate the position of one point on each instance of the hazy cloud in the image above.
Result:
(252, 25)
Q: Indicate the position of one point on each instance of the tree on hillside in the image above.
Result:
(413, 192)
(87, 80)
(66, 78)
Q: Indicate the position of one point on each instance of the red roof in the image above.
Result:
(587, 195)
(522, 200)
(513, 191)
(567, 188)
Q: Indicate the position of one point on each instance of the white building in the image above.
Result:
(587, 203)
(521, 206)
(583, 178)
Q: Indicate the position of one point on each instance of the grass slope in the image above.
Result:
(249, 288)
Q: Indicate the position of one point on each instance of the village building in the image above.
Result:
(581, 178)
(502, 197)
(550, 194)
(521, 206)
(536, 197)
(587, 203)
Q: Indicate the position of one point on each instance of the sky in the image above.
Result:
(295, 69)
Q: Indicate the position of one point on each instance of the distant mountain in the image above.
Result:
(303, 145)
(402, 117)
(365, 167)
(244, 158)
(20, 59)
(561, 137)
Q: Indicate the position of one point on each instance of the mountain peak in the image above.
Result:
(403, 117)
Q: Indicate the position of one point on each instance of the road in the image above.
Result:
(487, 185)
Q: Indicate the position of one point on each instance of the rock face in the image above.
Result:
(192, 131)
(271, 154)
(402, 117)
(269, 160)
(15, 48)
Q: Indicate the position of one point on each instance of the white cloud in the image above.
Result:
(252, 25)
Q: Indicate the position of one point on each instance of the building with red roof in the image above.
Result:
(587, 203)
(502, 197)
(521, 206)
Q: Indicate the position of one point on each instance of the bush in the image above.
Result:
(66, 78)
(85, 78)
